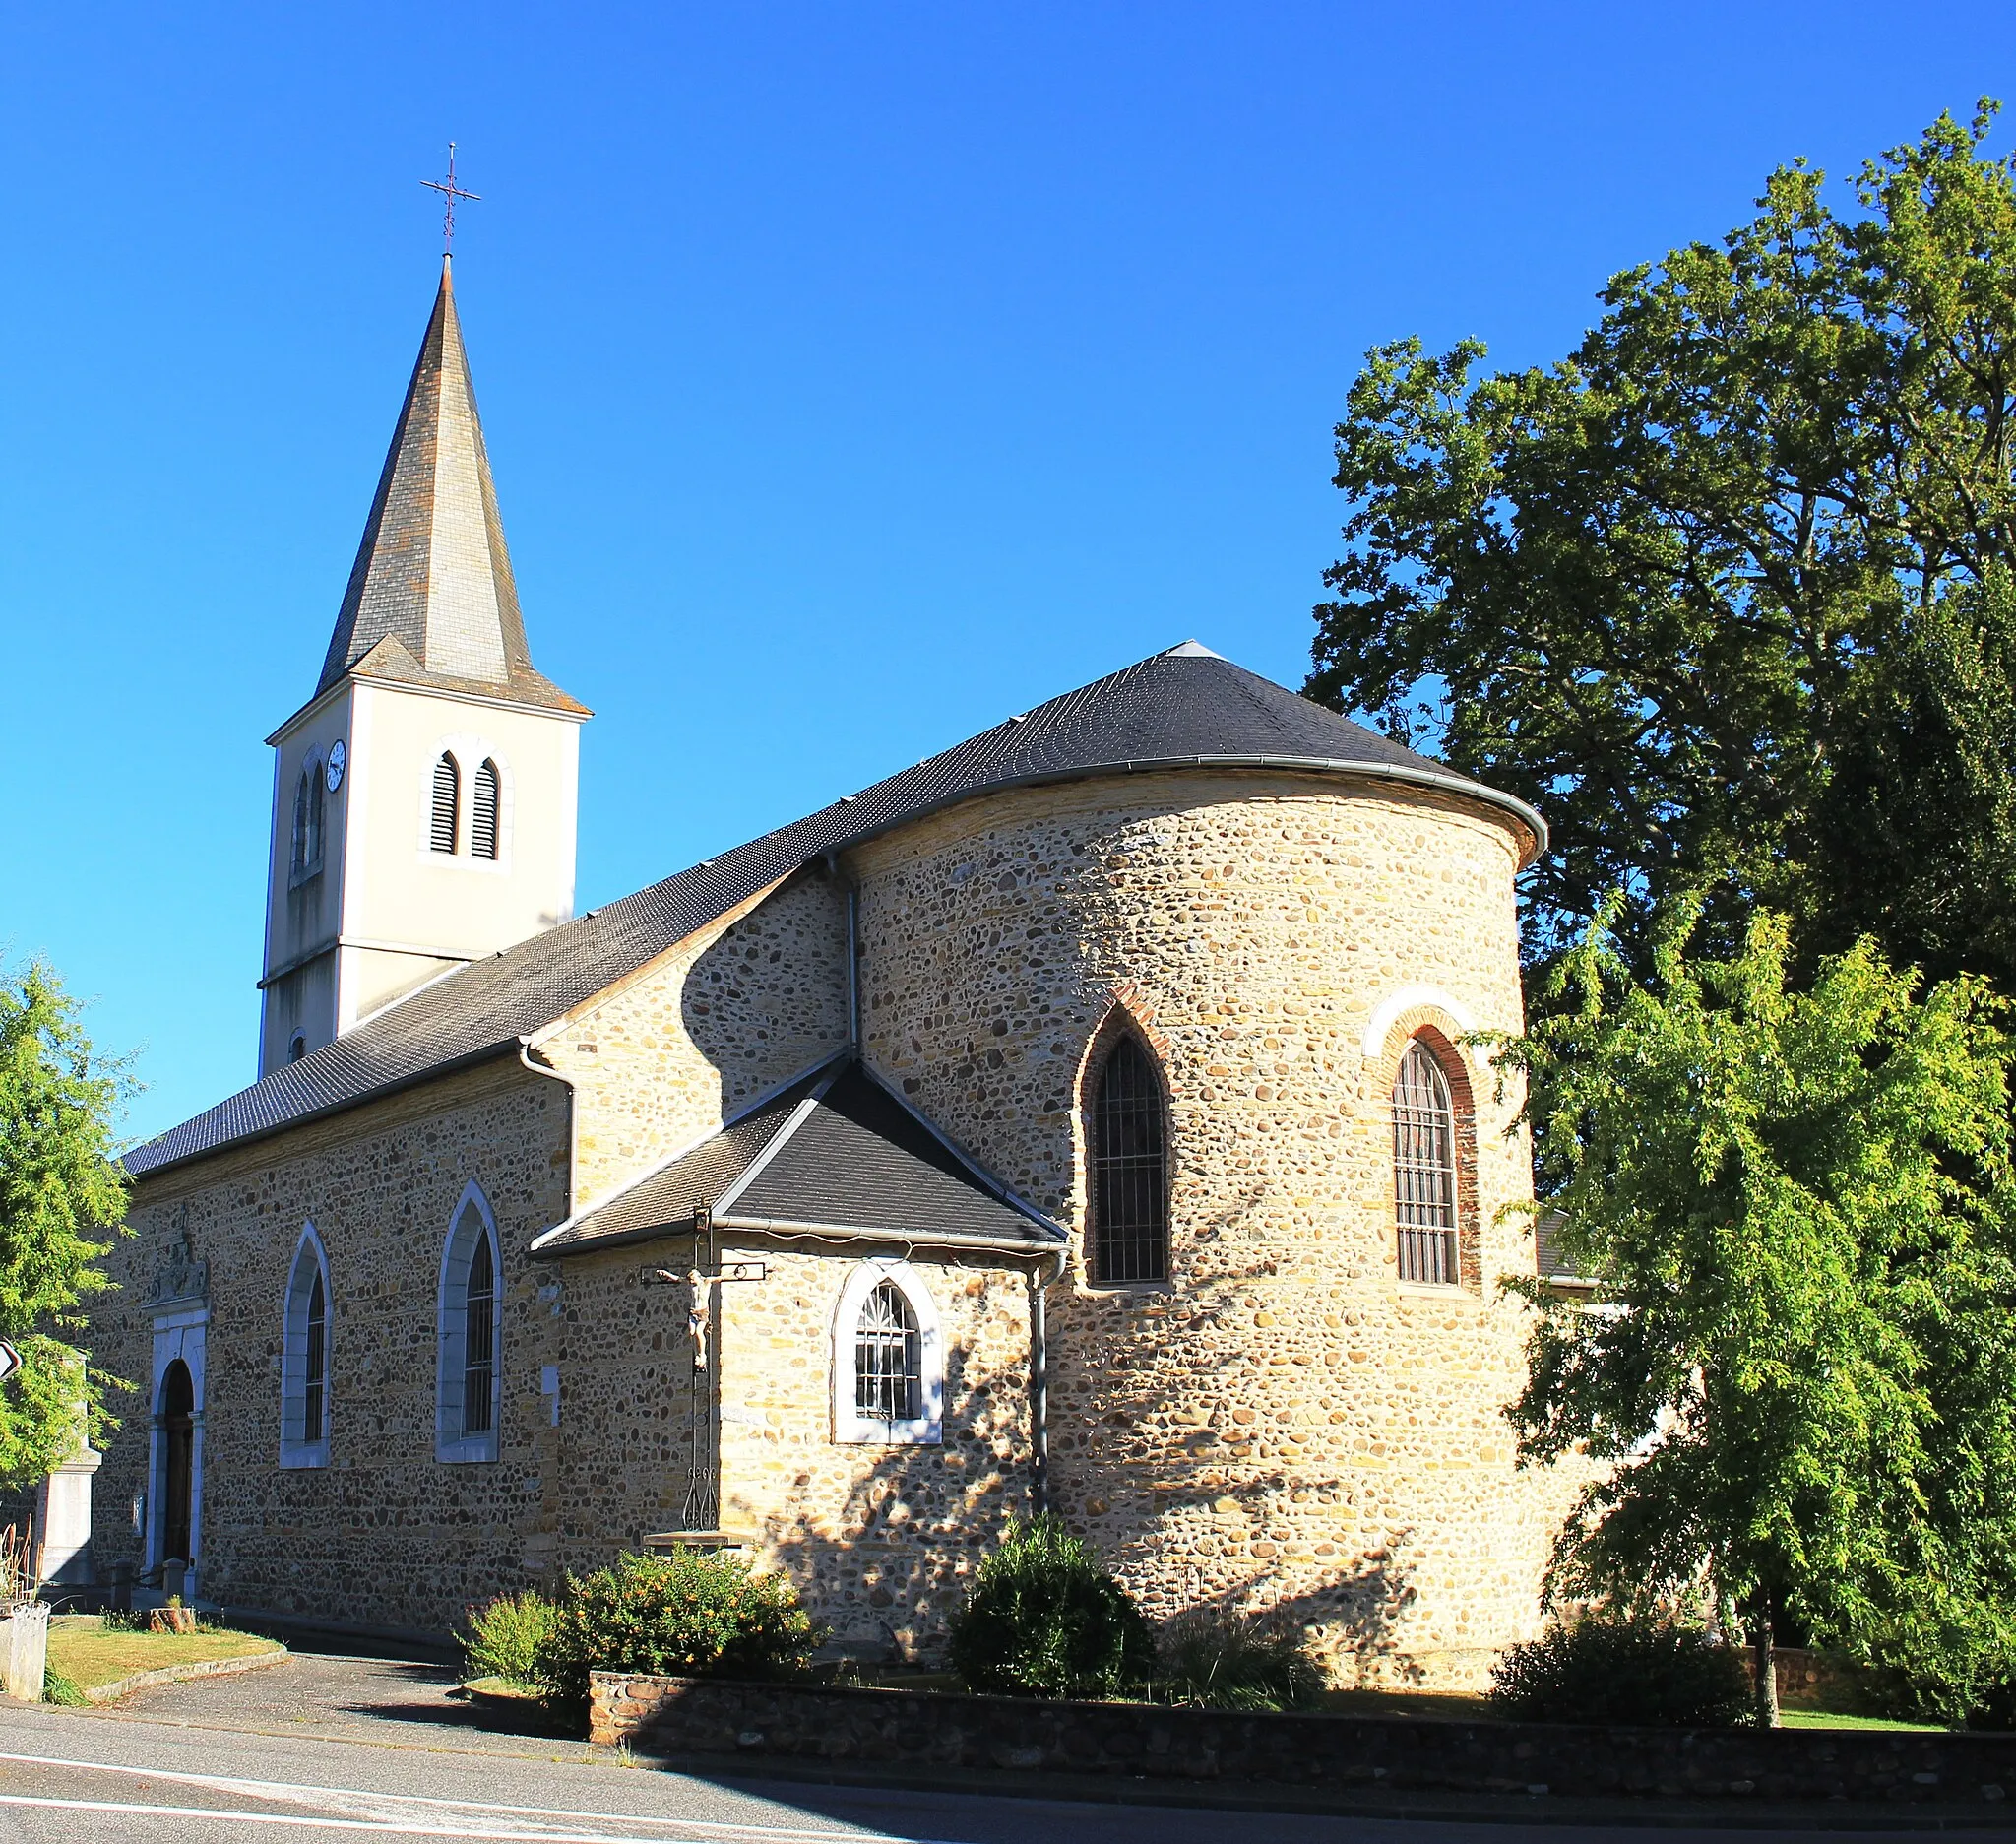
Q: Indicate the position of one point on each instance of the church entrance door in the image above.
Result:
(178, 1431)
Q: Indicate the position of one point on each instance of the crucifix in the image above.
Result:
(448, 192)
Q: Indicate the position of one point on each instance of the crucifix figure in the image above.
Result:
(448, 192)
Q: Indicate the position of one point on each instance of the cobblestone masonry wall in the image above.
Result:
(1285, 1423)
(881, 1538)
(661, 1059)
(1970, 1775)
(384, 1535)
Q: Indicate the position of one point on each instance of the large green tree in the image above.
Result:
(1726, 591)
(62, 1200)
(1799, 1367)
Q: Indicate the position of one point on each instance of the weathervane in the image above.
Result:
(448, 192)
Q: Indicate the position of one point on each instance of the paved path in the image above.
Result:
(320, 1750)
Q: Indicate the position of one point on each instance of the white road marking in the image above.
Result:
(384, 1812)
(393, 1827)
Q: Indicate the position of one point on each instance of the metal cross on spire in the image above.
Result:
(448, 192)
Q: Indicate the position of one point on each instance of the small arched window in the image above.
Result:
(298, 1047)
(468, 1371)
(889, 1369)
(308, 816)
(478, 1347)
(442, 818)
(1424, 1169)
(888, 1364)
(304, 1358)
(1130, 1223)
(482, 825)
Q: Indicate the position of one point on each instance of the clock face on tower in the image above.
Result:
(338, 757)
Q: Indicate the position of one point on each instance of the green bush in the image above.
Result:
(1625, 1668)
(685, 1614)
(1220, 1661)
(57, 1689)
(508, 1638)
(1045, 1620)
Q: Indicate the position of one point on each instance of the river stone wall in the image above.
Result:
(1345, 1754)
(1283, 1422)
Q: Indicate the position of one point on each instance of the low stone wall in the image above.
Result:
(913, 1728)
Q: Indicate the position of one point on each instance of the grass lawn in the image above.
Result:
(1824, 1719)
(83, 1649)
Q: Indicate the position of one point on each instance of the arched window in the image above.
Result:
(308, 816)
(888, 1366)
(442, 820)
(469, 1373)
(178, 1461)
(478, 1346)
(304, 1358)
(482, 825)
(1130, 1219)
(1424, 1169)
(298, 1047)
(889, 1361)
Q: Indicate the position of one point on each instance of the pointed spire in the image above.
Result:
(431, 595)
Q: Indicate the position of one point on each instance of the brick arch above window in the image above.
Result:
(1439, 1035)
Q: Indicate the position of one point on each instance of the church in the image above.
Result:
(1087, 1117)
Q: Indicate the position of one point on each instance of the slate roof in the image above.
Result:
(1547, 1257)
(835, 1153)
(1186, 708)
(431, 598)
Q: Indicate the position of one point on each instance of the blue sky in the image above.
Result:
(854, 376)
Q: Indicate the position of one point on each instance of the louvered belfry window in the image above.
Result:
(1424, 1169)
(447, 795)
(1130, 1227)
(307, 820)
(482, 828)
(315, 1372)
(478, 1346)
(889, 1358)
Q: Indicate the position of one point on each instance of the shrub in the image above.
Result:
(508, 1638)
(1220, 1661)
(57, 1689)
(685, 1614)
(1625, 1668)
(1045, 1620)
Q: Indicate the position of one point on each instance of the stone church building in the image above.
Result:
(1081, 1117)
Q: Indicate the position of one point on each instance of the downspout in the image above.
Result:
(1039, 1285)
(573, 1115)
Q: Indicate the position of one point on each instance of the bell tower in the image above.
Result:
(423, 805)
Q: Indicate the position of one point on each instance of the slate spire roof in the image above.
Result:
(1186, 709)
(431, 600)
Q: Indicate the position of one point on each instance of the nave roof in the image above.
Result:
(1183, 708)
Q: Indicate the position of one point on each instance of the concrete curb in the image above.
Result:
(175, 1673)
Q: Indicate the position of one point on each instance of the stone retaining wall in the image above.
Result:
(912, 1728)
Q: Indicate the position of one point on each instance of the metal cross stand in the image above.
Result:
(448, 192)
(700, 1511)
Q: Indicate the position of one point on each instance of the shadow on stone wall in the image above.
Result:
(886, 1572)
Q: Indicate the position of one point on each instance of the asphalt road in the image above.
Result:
(332, 1749)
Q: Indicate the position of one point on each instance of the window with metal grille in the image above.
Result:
(1424, 1169)
(315, 1373)
(889, 1358)
(478, 1346)
(482, 824)
(446, 797)
(1130, 1228)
